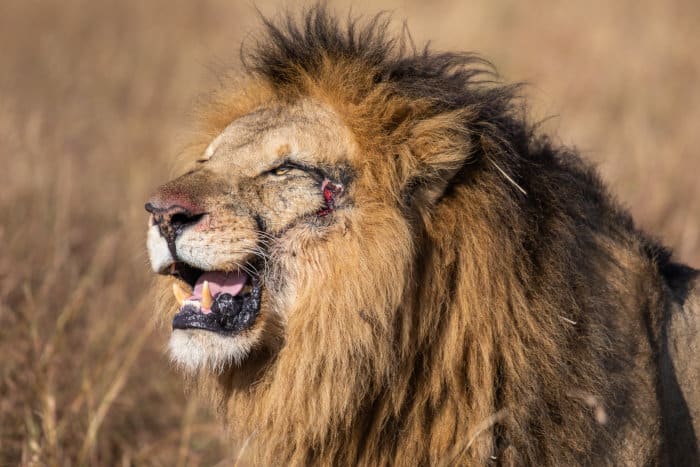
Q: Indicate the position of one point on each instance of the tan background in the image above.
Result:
(94, 101)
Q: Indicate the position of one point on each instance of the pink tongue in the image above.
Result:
(219, 282)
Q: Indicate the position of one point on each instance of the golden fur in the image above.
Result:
(480, 298)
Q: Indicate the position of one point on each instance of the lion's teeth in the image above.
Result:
(207, 299)
(180, 294)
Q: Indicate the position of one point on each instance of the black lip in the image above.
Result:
(239, 314)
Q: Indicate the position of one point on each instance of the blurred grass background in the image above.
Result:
(94, 102)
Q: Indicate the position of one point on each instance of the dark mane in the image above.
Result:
(293, 48)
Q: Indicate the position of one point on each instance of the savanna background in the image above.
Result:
(95, 101)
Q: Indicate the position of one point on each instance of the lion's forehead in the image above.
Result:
(308, 131)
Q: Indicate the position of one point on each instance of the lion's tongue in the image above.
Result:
(219, 282)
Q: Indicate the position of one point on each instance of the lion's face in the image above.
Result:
(243, 233)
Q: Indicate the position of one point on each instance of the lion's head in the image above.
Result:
(300, 214)
(365, 251)
(269, 200)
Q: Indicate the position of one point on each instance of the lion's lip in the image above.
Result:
(229, 314)
(226, 302)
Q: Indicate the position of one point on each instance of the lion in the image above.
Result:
(377, 260)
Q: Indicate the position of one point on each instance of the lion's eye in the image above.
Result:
(289, 168)
(281, 170)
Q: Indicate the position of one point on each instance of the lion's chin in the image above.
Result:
(192, 350)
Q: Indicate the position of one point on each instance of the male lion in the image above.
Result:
(378, 261)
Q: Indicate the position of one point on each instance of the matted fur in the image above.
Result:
(484, 299)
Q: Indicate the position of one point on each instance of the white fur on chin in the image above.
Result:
(194, 349)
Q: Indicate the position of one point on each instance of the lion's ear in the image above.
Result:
(440, 147)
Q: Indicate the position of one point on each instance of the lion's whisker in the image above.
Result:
(264, 234)
(246, 269)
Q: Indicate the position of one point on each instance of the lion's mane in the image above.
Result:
(502, 312)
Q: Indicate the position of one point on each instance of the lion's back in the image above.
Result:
(680, 366)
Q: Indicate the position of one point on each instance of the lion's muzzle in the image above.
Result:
(225, 302)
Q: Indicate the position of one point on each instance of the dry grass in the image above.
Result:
(93, 99)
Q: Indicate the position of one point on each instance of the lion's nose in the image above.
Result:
(171, 219)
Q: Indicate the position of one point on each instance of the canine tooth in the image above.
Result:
(207, 299)
(180, 294)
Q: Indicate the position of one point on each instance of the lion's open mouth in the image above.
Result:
(223, 302)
